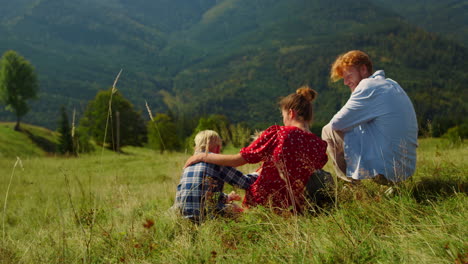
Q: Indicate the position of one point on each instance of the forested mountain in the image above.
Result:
(233, 57)
(78, 47)
(448, 17)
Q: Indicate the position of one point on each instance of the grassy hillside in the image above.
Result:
(33, 141)
(114, 208)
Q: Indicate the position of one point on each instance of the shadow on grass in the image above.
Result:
(437, 189)
(120, 151)
(45, 144)
(426, 189)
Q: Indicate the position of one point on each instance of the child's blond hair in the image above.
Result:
(206, 139)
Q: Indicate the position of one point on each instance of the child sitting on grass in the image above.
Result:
(200, 191)
(290, 155)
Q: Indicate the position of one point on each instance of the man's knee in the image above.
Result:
(327, 132)
(332, 136)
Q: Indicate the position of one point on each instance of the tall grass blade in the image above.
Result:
(109, 111)
(18, 161)
(156, 125)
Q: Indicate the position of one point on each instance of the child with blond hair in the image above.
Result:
(200, 191)
(290, 155)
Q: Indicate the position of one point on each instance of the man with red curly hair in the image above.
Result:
(374, 135)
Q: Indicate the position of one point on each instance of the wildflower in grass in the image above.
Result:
(148, 223)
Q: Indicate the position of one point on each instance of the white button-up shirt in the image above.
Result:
(380, 130)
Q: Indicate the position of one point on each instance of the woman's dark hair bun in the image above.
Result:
(308, 93)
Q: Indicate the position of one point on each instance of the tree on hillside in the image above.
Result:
(65, 145)
(181, 111)
(82, 141)
(240, 135)
(124, 125)
(18, 83)
(218, 123)
(162, 133)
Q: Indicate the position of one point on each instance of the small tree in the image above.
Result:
(125, 125)
(81, 140)
(240, 135)
(18, 83)
(65, 145)
(218, 123)
(162, 133)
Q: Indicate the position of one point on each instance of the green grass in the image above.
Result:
(32, 141)
(99, 209)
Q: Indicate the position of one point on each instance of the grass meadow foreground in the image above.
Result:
(114, 208)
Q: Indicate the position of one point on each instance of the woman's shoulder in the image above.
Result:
(290, 131)
(270, 132)
(296, 132)
(273, 128)
(282, 130)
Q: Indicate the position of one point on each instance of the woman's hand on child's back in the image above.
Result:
(194, 159)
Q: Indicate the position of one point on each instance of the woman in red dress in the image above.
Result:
(290, 154)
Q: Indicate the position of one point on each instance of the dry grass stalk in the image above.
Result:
(109, 111)
(18, 161)
(156, 125)
(114, 89)
(87, 237)
(73, 123)
(149, 111)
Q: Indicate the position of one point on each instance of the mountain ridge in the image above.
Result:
(229, 57)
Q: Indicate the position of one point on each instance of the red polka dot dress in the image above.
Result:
(290, 156)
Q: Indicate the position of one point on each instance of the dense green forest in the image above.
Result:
(236, 57)
(446, 17)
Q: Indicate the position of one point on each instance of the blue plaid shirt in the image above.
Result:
(201, 186)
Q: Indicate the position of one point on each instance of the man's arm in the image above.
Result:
(361, 107)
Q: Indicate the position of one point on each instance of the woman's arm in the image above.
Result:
(218, 159)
